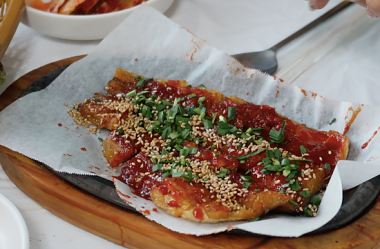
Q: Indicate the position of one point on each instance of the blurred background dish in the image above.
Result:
(13, 231)
(81, 27)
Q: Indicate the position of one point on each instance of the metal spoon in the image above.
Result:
(266, 61)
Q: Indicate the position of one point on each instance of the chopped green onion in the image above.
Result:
(307, 212)
(193, 150)
(246, 184)
(191, 95)
(293, 202)
(327, 166)
(278, 136)
(165, 175)
(142, 82)
(201, 99)
(254, 219)
(100, 139)
(184, 152)
(295, 186)
(177, 173)
(185, 133)
(315, 200)
(142, 93)
(231, 113)
(303, 149)
(332, 121)
(153, 160)
(201, 86)
(178, 147)
(222, 119)
(250, 154)
(131, 94)
(213, 118)
(223, 173)
(166, 132)
(207, 124)
(97, 100)
(167, 103)
(247, 178)
(157, 167)
(305, 193)
(120, 131)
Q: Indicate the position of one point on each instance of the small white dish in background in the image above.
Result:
(13, 231)
(82, 27)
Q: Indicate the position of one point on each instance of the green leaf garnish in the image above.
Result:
(293, 202)
(250, 154)
(231, 113)
(278, 136)
(303, 149)
(332, 121)
(254, 219)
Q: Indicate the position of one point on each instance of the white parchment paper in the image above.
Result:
(164, 50)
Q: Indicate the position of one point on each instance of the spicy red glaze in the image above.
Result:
(124, 151)
(319, 145)
(83, 149)
(198, 212)
(59, 124)
(132, 172)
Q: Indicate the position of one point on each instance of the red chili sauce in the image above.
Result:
(322, 147)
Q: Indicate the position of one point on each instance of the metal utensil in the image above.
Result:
(266, 61)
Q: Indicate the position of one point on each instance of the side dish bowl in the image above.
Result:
(82, 27)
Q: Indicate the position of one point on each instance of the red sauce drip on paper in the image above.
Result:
(303, 91)
(155, 210)
(83, 149)
(350, 120)
(59, 124)
(146, 212)
(370, 139)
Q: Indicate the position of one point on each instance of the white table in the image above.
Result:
(350, 73)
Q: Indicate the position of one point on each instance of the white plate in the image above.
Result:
(13, 231)
(82, 27)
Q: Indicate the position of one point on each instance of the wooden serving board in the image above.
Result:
(132, 230)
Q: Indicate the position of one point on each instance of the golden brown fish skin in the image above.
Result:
(96, 111)
(193, 202)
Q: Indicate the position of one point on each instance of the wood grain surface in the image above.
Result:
(132, 230)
